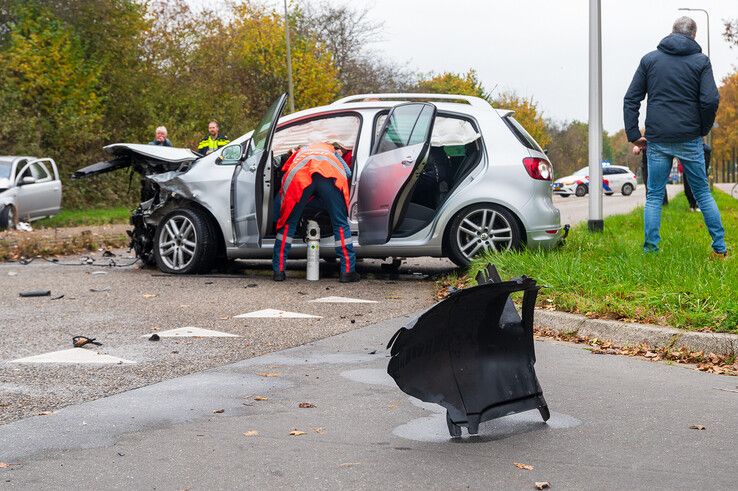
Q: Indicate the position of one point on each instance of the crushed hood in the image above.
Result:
(145, 159)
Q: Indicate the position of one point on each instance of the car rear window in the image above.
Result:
(521, 134)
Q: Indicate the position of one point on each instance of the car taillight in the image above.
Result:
(538, 168)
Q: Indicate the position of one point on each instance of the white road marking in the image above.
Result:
(192, 332)
(341, 300)
(276, 314)
(74, 355)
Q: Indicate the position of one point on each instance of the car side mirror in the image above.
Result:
(28, 180)
(230, 155)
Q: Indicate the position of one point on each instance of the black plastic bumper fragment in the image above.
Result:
(472, 354)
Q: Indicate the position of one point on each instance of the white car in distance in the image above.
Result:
(619, 179)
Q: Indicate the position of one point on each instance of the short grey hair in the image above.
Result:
(161, 129)
(686, 26)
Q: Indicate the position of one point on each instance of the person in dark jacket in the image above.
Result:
(682, 103)
(160, 138)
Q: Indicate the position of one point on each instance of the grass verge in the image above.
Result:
(76, 218)
(608, 276)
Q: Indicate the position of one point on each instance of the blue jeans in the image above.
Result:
(334, 203)
(691, 155)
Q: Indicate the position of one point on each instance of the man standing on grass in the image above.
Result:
(682, 103)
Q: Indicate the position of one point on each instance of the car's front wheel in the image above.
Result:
(7, 217)
(580, 191)
(481, 228)
(627, 189)
(184, 243)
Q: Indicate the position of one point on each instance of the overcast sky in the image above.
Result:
(539, 48)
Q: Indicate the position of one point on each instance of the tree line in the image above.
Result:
(76, 75)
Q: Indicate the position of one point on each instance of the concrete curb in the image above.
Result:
(626, 333)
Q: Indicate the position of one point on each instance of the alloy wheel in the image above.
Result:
(177, 242)
(483, 230)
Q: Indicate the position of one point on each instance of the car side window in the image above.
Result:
(38, 170)
(406, 127)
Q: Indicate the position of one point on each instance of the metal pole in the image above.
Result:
(595, 223)
(290, 88)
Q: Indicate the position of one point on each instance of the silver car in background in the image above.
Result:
(29, 189)
(433, 175)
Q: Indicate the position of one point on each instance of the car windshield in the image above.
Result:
(5, 168)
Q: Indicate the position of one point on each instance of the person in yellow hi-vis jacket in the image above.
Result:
(213, 140)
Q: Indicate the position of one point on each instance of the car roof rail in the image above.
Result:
(466, 99)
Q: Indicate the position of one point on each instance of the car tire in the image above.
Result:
(7, 217)
(627, 189)
(469, 232)
(184, 242)
(580, 191)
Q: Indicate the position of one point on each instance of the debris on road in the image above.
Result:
(12, 273)
(261, 398)
(251, 433)
(44, 413)
(79, 341)
(58, 297)
(100, 290)
(6, 465)
(542, 484)
(269, 374)
(149, 295)
(472, 353)
(696, 427)
(526, 467)
(154, 337)
(218, 411)
(35, 293)
(297, 433)
(305, 405)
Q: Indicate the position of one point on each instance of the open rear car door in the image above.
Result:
(389, 175)
(251, 181)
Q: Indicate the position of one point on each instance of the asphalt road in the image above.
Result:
(616, 423)
(132, 302)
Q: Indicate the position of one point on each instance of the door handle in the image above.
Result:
(408, 160)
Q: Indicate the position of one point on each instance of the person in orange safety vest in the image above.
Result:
(316, 171)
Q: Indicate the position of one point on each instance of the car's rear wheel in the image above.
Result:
(7, 217)
(580, 191)
(627, 189)
(184, 243)
(481, 228)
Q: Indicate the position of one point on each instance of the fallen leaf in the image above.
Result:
(5, 465)
(305, 405)
(297, 433)
(527, 467)
(224, 317)
(44, 413)
(696, 427)
(268, 374)
(149, 295)
(261, 398)
(542, 484)
(251, 433)
(218, 411)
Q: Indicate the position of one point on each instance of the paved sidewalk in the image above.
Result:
(616, 422)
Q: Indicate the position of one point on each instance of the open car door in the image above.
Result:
(251, 181)
(389, 175)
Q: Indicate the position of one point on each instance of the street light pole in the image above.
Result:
(290, 88)
(595, 223)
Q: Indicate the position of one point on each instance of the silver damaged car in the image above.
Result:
(433, 175)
